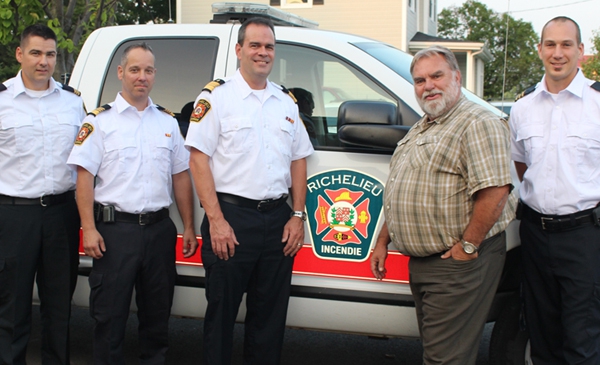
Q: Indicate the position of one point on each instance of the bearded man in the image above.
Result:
(447, 203)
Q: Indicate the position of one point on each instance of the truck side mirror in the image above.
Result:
(370, 124)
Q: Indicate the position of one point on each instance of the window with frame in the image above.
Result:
(321, 83)
(173, 89)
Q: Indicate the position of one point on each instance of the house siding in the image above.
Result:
(381, 20)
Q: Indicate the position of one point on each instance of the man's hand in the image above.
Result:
(190, 243)
(457, 253)
(222, 239)
(93, 243)
(293, 236)
(378, 257)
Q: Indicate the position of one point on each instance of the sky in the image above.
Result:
(538, 12)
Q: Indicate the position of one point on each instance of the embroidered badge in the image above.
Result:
(84, 132)
(289, 120)
(201, 109)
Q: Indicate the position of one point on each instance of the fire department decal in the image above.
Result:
(343, 207)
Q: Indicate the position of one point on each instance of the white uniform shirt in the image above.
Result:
(133, 156)
(36, 137)
(558, 138)
(251, 141)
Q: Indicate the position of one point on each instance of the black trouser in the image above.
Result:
(258, 268)
(140, 256)
(562, 293)
(37, 243)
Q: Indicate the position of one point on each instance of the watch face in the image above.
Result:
(469, 248)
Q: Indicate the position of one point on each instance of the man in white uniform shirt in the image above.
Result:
(39, 224)
(135, 151)
(556, 148)
(248, 151)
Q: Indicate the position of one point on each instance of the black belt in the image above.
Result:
(143, 219)
(44, 200)
(557, 223)
(260, 205)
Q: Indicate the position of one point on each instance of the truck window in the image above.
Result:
(328, 81)
(183, 66)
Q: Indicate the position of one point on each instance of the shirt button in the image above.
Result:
(393, 178)
(404, 155)
(392, 234)
(387, 207)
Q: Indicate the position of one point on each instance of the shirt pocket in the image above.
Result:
(423, 150)
(162, 155)
(237, 135)
(123, 151)
(286, 137)
(18, 130)
(68, 128)
(584, 144)
(532, 137)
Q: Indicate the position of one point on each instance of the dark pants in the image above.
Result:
(136, 256)
(562, 293)
(258, 268)
(453, 299)
(42, 244)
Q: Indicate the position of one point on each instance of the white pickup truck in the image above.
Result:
(363, 104)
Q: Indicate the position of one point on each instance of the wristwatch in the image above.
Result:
(468, 247)
(299, 214)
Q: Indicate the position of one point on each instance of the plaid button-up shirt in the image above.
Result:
(435, 172)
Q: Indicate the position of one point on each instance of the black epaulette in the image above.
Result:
(72, 90)
(2, 87)
(595, 86)
(211, 85)
(163, 109)
(527, 91)
(286, 91)
(99, 110)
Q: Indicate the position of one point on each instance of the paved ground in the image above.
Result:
(301, 347)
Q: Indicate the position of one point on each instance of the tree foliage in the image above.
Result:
(73, 21)
(473, 21)
(591, 67)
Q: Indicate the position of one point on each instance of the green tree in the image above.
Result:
(73, 21)
(591, 67)
(473, 21)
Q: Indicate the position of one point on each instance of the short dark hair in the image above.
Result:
(37, 30)
(563, 19)
(255, 20)
(436, 50)
(142, 45)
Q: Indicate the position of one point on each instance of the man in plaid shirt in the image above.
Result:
(447, 203)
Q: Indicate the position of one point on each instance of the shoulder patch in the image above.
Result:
(595, 86)
(2, 87)
(286, 91)
(99, 110)
(200, 110)
(84, 132)
(211, 85)
(527, 91)
(163, 109)
(70, 89)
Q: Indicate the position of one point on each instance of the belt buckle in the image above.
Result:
(259, 207)
(141, 220)
(42, 201)
(544, 220)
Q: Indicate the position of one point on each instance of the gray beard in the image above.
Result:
(436, 108)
